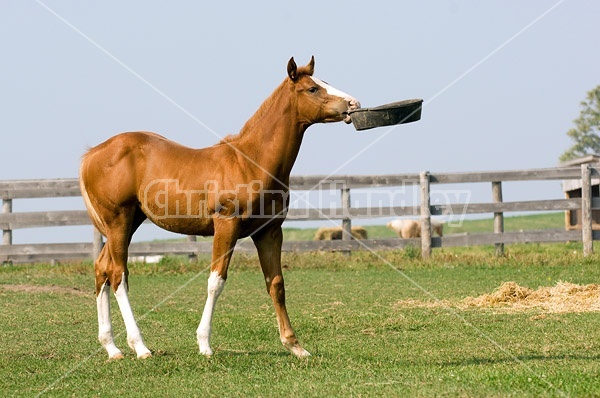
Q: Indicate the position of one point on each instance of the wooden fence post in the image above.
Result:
(498, 216)
(586, 210)
(193, 257)
(425, 215)
(7, 233)
(97, 244)
(346, 222)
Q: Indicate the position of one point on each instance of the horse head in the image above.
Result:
(318, 102)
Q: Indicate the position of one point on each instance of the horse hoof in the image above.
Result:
(299, 352)
(145, 355)
(207, 352)
(118, 355)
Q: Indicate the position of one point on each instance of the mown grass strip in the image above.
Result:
(345, 310)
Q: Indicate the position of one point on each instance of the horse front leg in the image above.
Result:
(226, 234)
(268, 245)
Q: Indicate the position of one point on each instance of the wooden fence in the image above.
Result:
(12, 190)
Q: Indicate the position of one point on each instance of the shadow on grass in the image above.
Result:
(223, 353)
(522, 358)
(239, 353)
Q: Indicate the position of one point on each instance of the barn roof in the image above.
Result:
(570, 185)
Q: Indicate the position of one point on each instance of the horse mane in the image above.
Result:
(263, 109)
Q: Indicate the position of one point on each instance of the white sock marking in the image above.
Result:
(215, 287)
(134, 336)
(105, 334)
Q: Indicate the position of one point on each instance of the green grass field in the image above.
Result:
(346, 312)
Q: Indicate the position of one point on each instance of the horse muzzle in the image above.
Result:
(352, 106)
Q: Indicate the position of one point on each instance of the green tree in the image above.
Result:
(586, 132)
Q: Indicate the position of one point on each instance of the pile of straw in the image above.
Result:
(563, 297)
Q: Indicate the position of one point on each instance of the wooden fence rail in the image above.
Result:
(14, 190)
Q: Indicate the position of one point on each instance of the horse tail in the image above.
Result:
(96, 220)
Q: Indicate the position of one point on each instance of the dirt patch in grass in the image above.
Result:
(563, 297)
(43, 289)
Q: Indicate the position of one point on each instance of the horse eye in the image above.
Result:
(313, 89)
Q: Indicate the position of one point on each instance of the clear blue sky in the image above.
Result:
(502, 81)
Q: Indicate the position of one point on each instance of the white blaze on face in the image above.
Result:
(354, 104)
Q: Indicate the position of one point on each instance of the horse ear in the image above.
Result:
(292, 69)
(310, 68)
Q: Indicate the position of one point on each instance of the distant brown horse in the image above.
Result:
(234, 189)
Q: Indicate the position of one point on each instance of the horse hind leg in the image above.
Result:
(105, 331)
(119, 251)
(134, 335)
(114, 270)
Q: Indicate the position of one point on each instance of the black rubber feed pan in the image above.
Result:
(387, 115)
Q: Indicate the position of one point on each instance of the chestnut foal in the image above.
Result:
(234, 189)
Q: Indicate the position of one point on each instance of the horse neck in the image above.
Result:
(271, 138)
